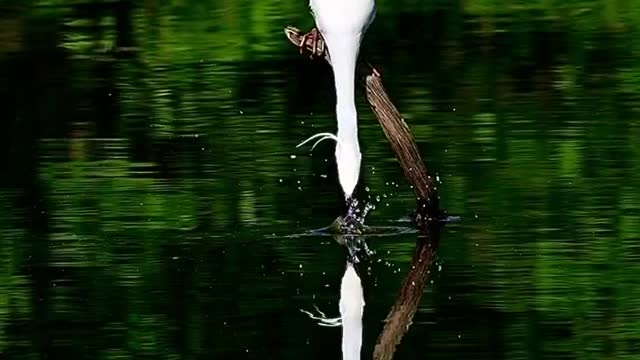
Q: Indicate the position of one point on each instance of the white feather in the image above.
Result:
(342, 24)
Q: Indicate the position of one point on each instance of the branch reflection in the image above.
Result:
(401, 314)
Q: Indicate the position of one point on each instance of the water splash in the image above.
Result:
(353, 221)
(367, 208)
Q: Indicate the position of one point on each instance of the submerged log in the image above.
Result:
(395, 129)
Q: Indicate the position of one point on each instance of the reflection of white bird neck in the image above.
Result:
(351, 295)
(351, 309)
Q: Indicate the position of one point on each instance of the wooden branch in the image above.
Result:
(403, 146)
(395, 129)
(406, 151)
(401, 314)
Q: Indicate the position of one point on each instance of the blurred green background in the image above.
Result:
(152, 198)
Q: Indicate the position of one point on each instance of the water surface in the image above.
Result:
(152, 195)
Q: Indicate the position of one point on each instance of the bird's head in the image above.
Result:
(348, 159)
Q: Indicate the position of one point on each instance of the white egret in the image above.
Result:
(342, 24)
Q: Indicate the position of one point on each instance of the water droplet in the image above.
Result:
(293, 156)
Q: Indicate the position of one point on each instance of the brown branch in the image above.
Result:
(395, 129)
(403, 145)
(406, 151)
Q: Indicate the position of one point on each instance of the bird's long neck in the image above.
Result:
(344, 48)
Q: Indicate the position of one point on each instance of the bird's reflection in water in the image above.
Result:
(402, 312)
(351, 304)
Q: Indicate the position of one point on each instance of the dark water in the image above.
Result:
(152, 198)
